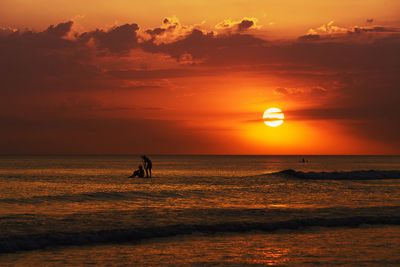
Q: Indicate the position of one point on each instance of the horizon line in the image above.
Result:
(188, 154)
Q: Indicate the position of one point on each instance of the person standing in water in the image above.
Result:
(147, 165)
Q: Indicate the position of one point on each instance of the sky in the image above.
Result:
(195, 77)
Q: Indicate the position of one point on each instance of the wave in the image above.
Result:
(50, 239)
(342, 175)
(93, 196)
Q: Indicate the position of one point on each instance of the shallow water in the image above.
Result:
(311, 247)
(80, 202)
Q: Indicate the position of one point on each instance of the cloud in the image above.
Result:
(139, 75)
(119, 39)
(245, 49)
(43, 60)
(331, 31)
(245, 25)
(349, 75)
(60, 30)
(238, 26)
(4, 31)
(170, 30)
(281, 91)
(207, 46)
(310, 37)
(365, 105)
(156, 31)
(329, 28)
(375, 29)
(314, 92)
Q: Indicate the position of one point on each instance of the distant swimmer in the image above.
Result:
(147, 166)
(139, 173)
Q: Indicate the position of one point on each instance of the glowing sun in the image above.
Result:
(273, 117)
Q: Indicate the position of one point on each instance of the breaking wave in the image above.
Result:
(343, 175)
(50, 239)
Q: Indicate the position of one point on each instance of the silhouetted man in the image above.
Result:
(147, 165)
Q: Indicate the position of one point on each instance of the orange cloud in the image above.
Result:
(331, 31)
(238, 26)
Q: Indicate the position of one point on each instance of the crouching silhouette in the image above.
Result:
(139, 173)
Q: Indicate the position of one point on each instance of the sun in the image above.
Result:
(273, 117)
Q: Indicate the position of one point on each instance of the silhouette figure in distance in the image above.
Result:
(147, 165)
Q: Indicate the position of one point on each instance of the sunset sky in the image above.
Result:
(195, 77)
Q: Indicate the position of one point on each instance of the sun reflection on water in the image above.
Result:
(270, 256)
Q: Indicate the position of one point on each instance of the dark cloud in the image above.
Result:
(56, 60)
(234, 26)
(245, 49)
(119, 39)
(207, 46)
(245, 25)
(370, 20)
(344, 34)
(44, 61)
(367, 105)
(156, 31)
(196, 44)
(310, 37)
(60, 30)
(160, 31)
(377, 29)
(158, 74)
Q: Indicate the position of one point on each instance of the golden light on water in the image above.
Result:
(273, 117)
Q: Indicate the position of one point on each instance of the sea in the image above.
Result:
(200, 210)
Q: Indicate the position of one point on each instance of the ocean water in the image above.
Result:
(200, 210)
